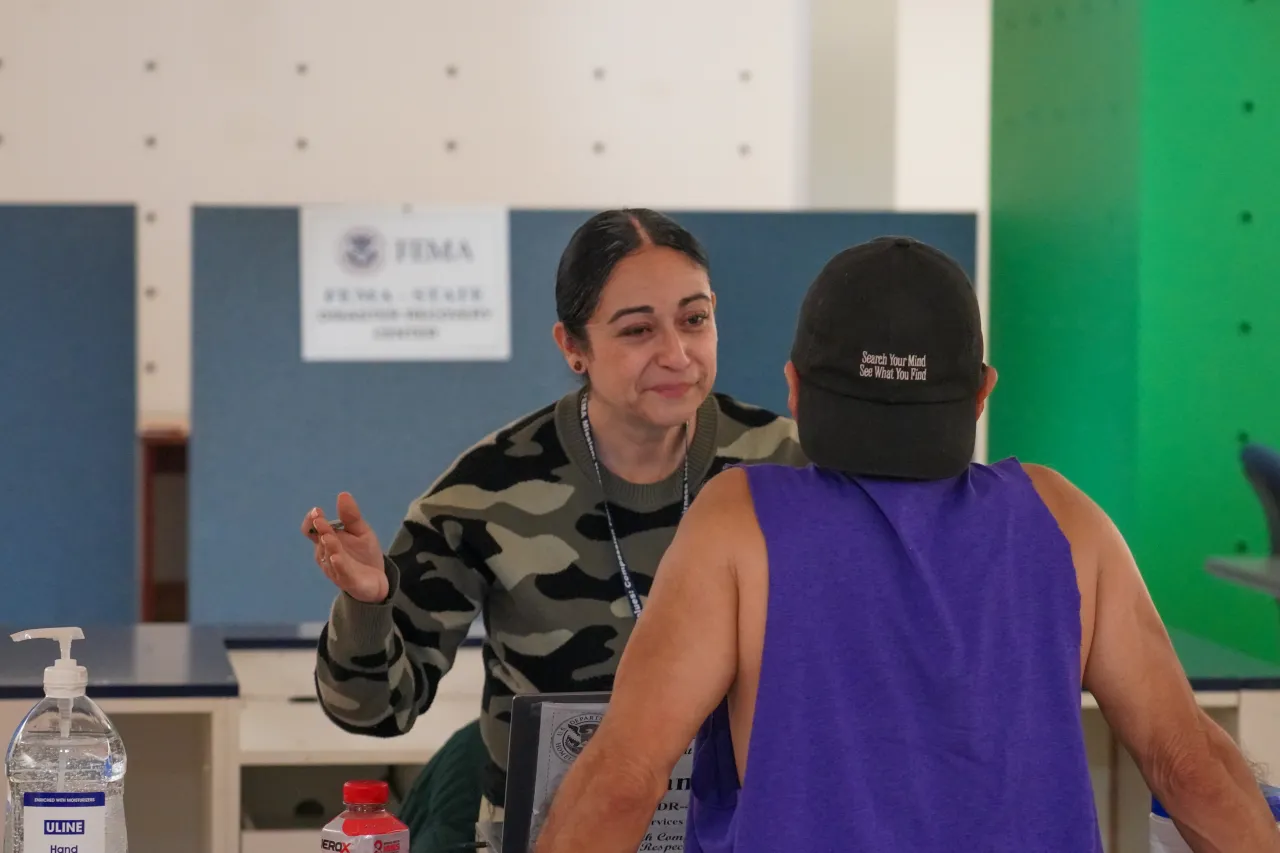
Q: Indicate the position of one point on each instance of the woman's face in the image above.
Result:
(651, 344)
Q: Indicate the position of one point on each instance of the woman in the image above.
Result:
(553, 526)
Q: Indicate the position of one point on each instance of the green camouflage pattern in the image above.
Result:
(515, 532)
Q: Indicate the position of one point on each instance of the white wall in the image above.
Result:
(941, 130)
(863, 104)
(900, 104)
(548, 103)
(900, 112)
(853, 103)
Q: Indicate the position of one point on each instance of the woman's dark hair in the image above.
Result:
(597, 247)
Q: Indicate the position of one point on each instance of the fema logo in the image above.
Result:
(361, 250)
(571, 736)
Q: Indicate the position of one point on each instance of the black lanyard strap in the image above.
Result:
(627, 584)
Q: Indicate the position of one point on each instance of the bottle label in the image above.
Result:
(395, 842)
(64, 822)
(383, 834)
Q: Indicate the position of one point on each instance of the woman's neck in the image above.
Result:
(636, 451)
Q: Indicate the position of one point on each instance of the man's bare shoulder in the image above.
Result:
(722, 518)
(727, 493)
(1069, 505)
(1048, 481)
(1088, 529)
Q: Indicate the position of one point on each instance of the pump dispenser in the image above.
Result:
(65, 765)
(63, 680)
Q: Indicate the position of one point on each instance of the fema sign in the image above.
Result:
(393, 284)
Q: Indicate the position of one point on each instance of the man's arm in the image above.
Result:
(679, 664)
(1187, 760)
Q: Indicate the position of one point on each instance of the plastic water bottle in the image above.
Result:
(65, 766)
(1165, 838)
(365, 825)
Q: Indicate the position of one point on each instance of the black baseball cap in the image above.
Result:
(888, 352)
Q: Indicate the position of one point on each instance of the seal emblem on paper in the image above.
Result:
(361, 250)
(572, 735)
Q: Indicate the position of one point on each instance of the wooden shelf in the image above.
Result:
(163, 453)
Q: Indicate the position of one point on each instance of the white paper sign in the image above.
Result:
(405, 284)
(564, 729)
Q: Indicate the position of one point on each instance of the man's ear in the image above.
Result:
(989, 377)
(793, 388)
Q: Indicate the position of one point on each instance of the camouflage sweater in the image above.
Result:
(514, 531)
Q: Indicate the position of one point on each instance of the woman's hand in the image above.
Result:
(352, 557)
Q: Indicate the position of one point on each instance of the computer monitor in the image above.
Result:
(533, 773)
(548, 733)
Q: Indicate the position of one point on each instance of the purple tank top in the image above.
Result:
(920, 686)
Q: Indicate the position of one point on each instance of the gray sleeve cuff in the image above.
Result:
(359, 628)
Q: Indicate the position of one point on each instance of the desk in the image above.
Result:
(286, 741)
(207, 713)
(281, 723)
(172, 694)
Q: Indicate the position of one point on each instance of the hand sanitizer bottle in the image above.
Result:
(65, 766)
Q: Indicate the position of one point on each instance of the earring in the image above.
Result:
(577, 367)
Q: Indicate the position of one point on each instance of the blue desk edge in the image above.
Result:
(118, 671)
(304, 635)
(131, 661)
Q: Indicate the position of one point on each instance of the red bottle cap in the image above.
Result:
(365, 793)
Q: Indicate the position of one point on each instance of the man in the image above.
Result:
(930, 623)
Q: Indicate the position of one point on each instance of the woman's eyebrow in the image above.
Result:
(648, 309)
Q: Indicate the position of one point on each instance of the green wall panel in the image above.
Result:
(1210, 302)
(1135, 275)
(1064, 267)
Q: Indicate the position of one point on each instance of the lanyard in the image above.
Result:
(608, 516)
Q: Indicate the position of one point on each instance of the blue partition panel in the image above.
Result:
(761, 265)
(273, 435)
(68, 415)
